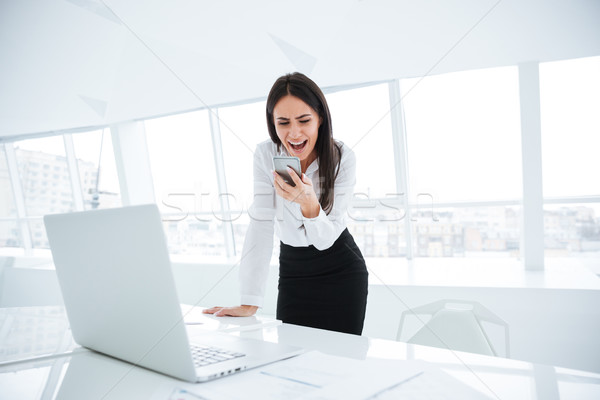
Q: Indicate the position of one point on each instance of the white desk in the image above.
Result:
(84, 374)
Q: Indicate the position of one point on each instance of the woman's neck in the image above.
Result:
(305, 163)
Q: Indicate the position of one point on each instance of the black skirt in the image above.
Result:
(323, 289)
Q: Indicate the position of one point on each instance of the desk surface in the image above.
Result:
(85, 374)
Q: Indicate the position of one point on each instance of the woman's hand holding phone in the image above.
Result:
(303, 193)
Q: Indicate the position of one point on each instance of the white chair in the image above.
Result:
(457, 325)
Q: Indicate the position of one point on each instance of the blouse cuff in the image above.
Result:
(251, 300)
(321, 215)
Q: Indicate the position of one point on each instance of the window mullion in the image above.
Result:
(73, 172)
(531, 148)
(132, 162)
(400, 157)
(19, 197)
(215, 129)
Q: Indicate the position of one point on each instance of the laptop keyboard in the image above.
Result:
(205, 355)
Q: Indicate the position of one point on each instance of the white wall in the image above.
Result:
(547, 326)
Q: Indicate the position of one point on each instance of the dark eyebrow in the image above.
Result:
(302, 116)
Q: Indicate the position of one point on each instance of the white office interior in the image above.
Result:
(474, 123)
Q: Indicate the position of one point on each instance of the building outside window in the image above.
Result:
(46, 182)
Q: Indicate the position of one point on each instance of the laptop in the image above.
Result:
(115, 275)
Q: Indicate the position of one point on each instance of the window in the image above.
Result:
(572, 230)
(92, 148)
(35, 156)
(43, 163)
(464, 168)
(9, 232)
(361, 119)
(185, 183)
(570, 100)
(242, 128)
(7, 205)
(464, 145)
(463, 134)
(466, 231)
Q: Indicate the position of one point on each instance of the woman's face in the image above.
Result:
(297, 126)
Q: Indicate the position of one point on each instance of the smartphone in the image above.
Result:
(280, 165)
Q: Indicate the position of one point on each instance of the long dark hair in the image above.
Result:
(328, 152)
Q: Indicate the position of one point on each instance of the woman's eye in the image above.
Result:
(283, 123)
(305, 121)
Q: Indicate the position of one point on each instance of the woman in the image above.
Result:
(322, 274)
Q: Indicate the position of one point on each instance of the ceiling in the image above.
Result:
(68, 65)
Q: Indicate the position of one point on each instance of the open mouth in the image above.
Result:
(298, 147)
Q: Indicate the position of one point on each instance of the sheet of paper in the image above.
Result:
(366, 378)
(433, 383)
(182, 394)
(312, 375)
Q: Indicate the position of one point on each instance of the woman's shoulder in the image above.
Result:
(266, 149)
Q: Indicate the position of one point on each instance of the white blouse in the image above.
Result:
(270, 212)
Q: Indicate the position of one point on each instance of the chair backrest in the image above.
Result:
(457, 325)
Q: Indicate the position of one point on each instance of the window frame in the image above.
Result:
(226, 212)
